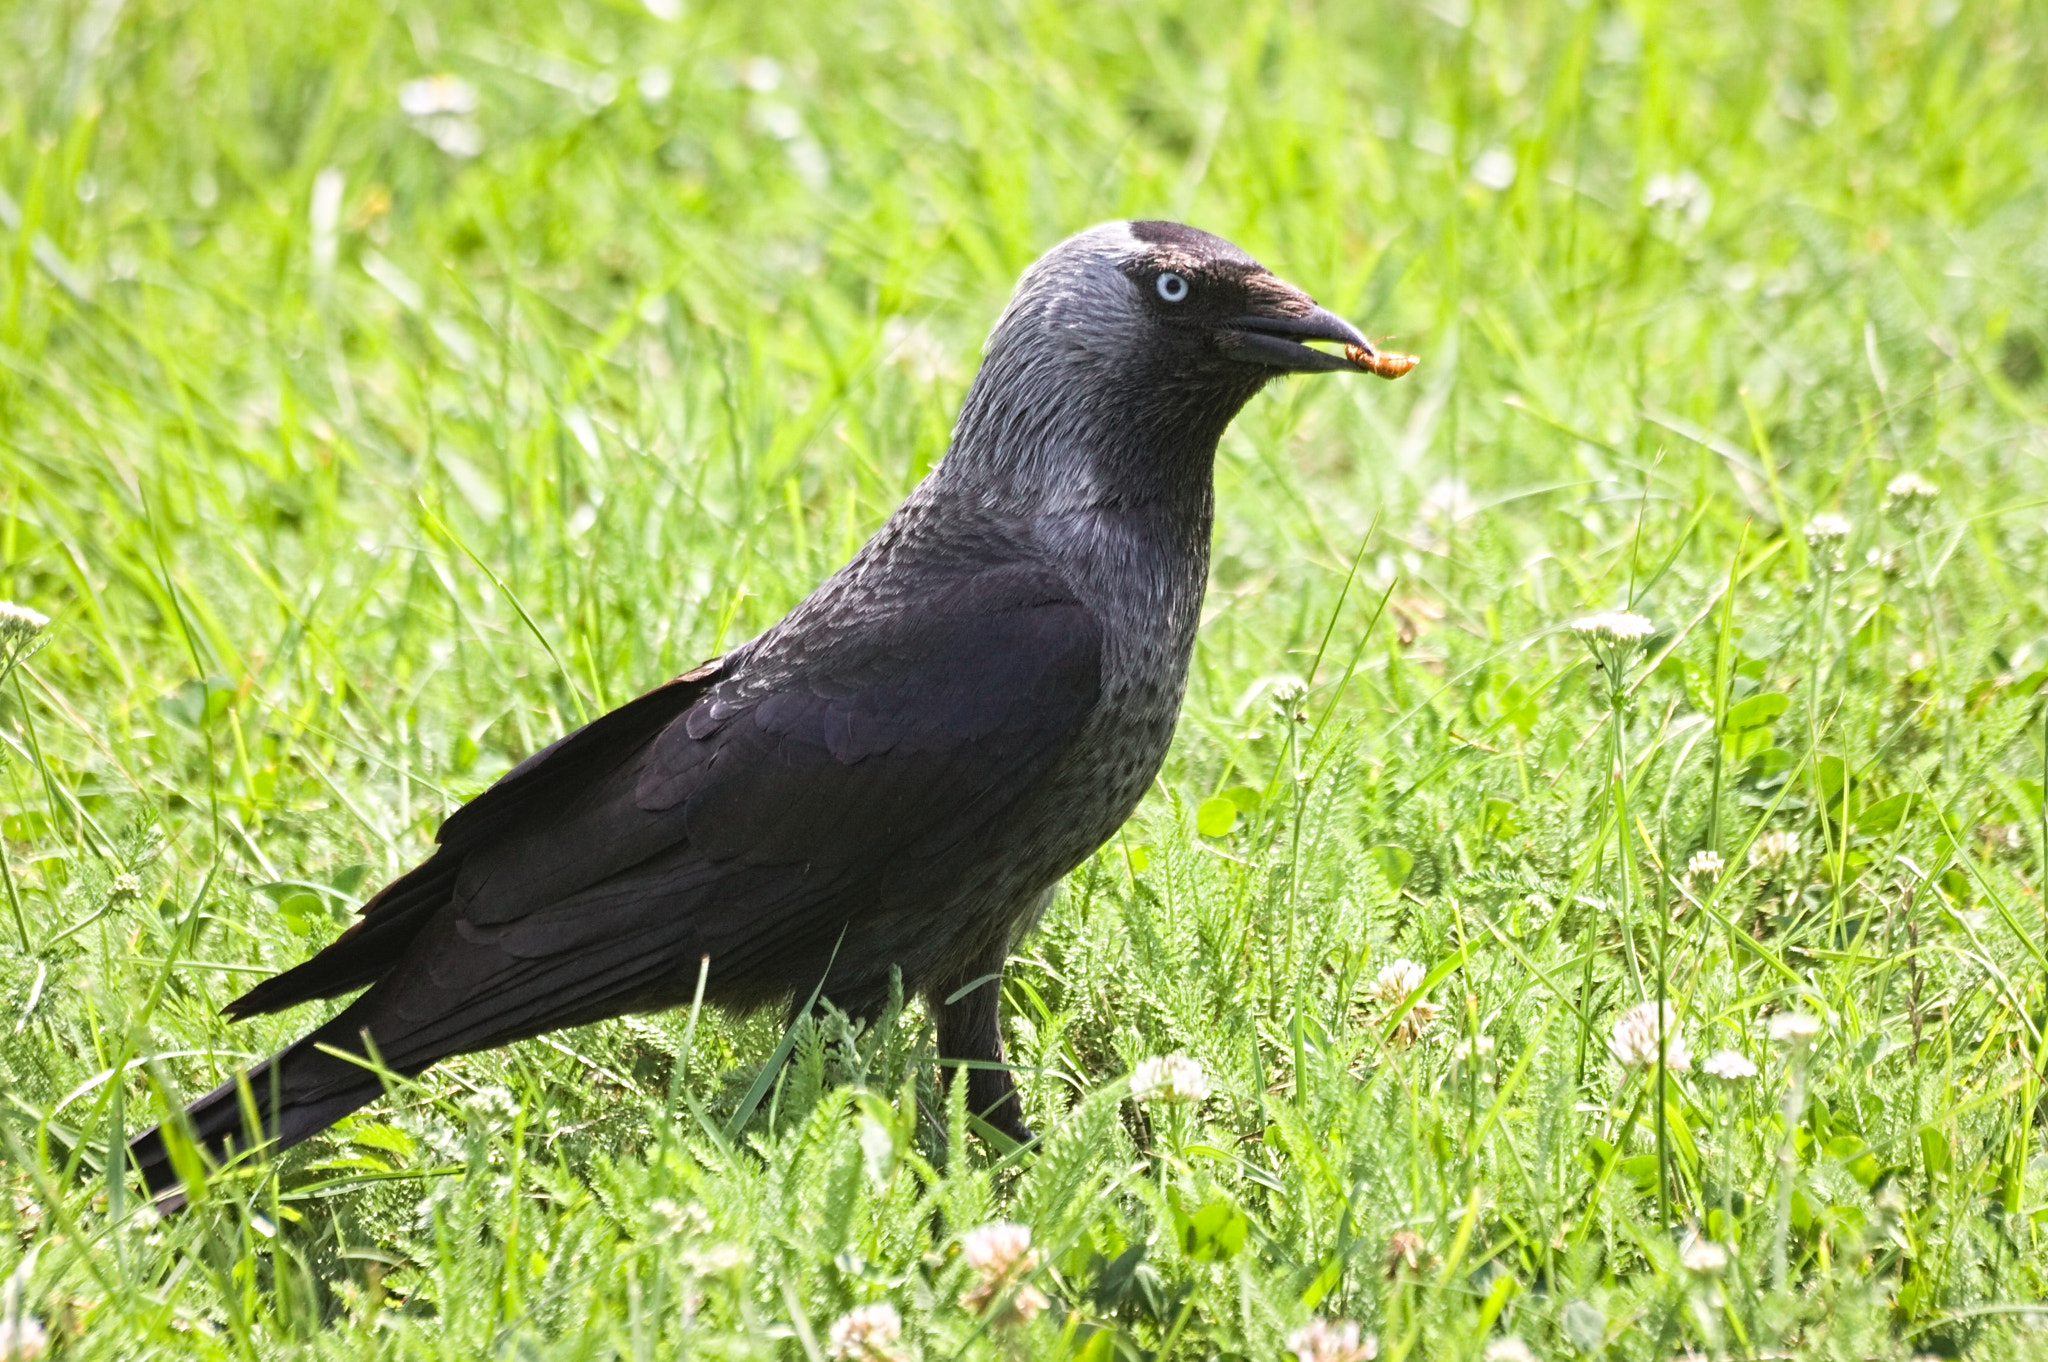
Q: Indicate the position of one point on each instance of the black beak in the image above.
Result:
(1275, 340)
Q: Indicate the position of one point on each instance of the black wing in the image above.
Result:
(390, 920)
(847, 772)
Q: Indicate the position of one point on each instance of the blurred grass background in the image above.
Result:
(386, 387)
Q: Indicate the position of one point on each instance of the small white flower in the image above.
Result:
(714, 1260)
(1001, 1255)
(1827, 528)
(1705, 865)
(20, 630)
(1478, 1048)
(1682, 194)
(125, 886)
(1323, 1340)
(440, 107)
(1910, 487)
(1169, 1078)
(670, 1217)
(1494, 168)
(1773, 849)
(1394, 985)
(1793, 1028)
(459, 137)
(19, 619)
(1634, 1041)
(1703, 1256)
(1508, 1349)
(1729, 1064)
(866, 1333)
(1616, 628)
(1448, 500)
(999, 1248)
(1396, 981)
(437, 94)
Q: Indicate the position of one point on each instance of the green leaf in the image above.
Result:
(301, 912)
(1212, 1234)
(1886, 814)
(1934, 1150)
(1100, 1347)
(1396, 863)
(1248, 800)
(1498, 818)
(1216, 817)
(1745, 743)
(1831, 772)
(31, 826)
(1755, 712)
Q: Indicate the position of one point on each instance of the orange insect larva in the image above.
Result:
(1385, 363)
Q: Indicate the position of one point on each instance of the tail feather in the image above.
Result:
(368, 950)
(296, 1093)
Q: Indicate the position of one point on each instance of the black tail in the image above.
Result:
(297, 1092)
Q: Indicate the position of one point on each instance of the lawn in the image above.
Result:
(386, 388)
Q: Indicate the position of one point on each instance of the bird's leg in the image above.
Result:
(970, 1028)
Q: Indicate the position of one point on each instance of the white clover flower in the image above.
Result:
(1406, 1252)
(1323, 1340)
(437, 94)
(22, 1338)
(1793, 1029)
(1682, 193)
(1616, 628)
(714, 1260)
(1396, 981)
(1634, 1040)
(999, 1248)
(866, 1333)
(1508, 1349)
(1705, 865)
(670, 1217)
(1169, 1078)
(1827, 528)
(1394, 985)
(1732, 1065)
(440, 107)
(1773, 849)
(1001, 1255)
(1703, 1256)
(1910, 487)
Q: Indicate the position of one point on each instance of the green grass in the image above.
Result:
(351, 470)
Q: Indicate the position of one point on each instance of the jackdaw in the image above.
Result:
(896, 775)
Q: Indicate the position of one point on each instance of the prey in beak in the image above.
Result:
(1277, 334)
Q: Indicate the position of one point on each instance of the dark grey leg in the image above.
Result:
(970, 1028)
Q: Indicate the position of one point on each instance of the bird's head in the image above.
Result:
(1150, 331)
(1171, 303)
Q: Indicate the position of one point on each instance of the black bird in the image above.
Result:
(897, 774)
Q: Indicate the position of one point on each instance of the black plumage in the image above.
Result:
(897, 774)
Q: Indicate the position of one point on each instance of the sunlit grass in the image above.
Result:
(359, 439)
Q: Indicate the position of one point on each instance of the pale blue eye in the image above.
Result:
(1172, 287)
